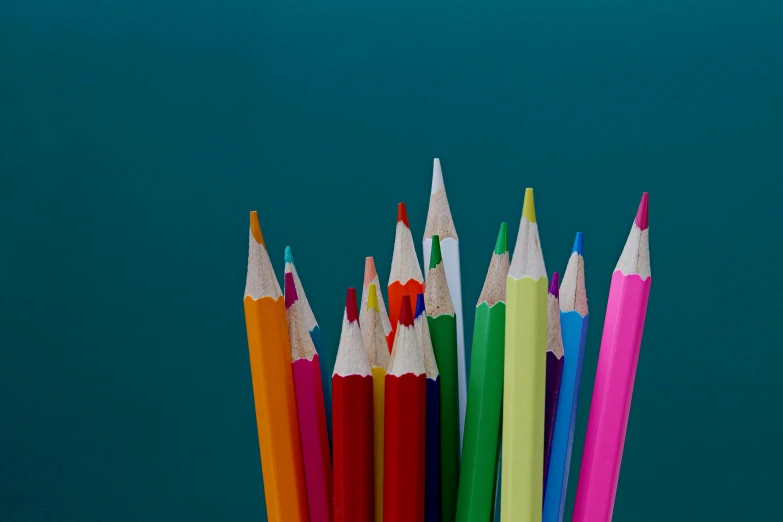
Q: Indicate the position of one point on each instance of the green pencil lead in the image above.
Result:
(435, 255)
(501, 246)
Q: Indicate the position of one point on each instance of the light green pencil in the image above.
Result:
(524, 375)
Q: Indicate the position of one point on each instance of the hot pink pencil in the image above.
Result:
(305, 340)
(614, 377)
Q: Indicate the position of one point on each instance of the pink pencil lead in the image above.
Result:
(641, 214)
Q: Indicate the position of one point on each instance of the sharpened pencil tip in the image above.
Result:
(641, 214)
(577, 244)
(406, 315)
(419, 305)
(529, 206)
(255, 228)
(372, 298)
(437, 176)
(402, 214)
(351, 313)
(501, 245)
(290, 290)
(369, 269)
(435, 255)
(553, 286)
(289, 258)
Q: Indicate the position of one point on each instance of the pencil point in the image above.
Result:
(406, 315)
(369, 269)
(402, 214)
(437, 176)
(529, 207)
(289, 258)
(641, 214)
(501, 245)
(419, 305)
(372, 298)
(255, 228)
(577, 244)
(290, 290)
(435, 255)
(351, 313)
(553, 286)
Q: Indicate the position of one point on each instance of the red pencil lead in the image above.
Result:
(406, 314)
(641, 214)
(351, 311)
(402, 214)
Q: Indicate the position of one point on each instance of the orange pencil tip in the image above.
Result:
(255, 228)
(402, 214)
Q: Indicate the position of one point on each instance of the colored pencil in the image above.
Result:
(478, 467)
(405, 278)
(443, 332)
(378, 357)
(441, 224)
(524, 374)
(405, 410)
(273, 386)
(498, 480)
(371, 278)
(305, 338)
(554, 368)
(353, 422)
(432, 482)
(614, 376)
(573, 320)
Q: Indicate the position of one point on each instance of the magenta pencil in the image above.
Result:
(614, 377)
(308, 387)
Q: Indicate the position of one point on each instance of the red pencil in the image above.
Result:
(405, 277)
(405, 413)
(352, 423)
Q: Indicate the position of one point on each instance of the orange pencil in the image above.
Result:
(273, 386)
(405, 278)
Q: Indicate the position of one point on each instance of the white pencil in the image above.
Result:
(440, 223)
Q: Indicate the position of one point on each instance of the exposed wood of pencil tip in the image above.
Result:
(371, 277)
(439, 219)
(301, 320)
(436, 294)
(405, 264)
(573, 295)
(425, 341)
(494, 289)
(373, 333)
(528, 258)
(261, 280)
(351, 355)
(554, 335)
(406, 356)
(635, 258)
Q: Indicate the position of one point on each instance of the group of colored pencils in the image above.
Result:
(414, 436)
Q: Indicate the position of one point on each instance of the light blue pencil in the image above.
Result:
(573, 322)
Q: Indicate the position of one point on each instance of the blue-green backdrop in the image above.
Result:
(136, 136)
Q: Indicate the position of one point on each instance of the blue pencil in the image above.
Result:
(573, 321)
(432, 493)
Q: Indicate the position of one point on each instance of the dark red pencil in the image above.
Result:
(352, 423)
(404, 422)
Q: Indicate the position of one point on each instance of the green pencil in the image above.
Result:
(443, 332)
(485, 392)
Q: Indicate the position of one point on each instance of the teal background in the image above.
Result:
(136, 136)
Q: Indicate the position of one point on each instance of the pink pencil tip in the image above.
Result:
(402, 214)
(351, 312)
(641, 214)
(369, 270)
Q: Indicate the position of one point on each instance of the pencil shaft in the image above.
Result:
(432, 482)
(574, 328)
(554, 374)
(403, 466)
(443, 332)
(316, 457)
(478, 467)
(611, 404)
(523, 399)
(275, 402)
(353, 448)
(378, 395)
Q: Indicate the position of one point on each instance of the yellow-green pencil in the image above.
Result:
(524, 375)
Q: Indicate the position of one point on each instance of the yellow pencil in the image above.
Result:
(374, 337)
(524, 375)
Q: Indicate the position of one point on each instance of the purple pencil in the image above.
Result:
(554, 367)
